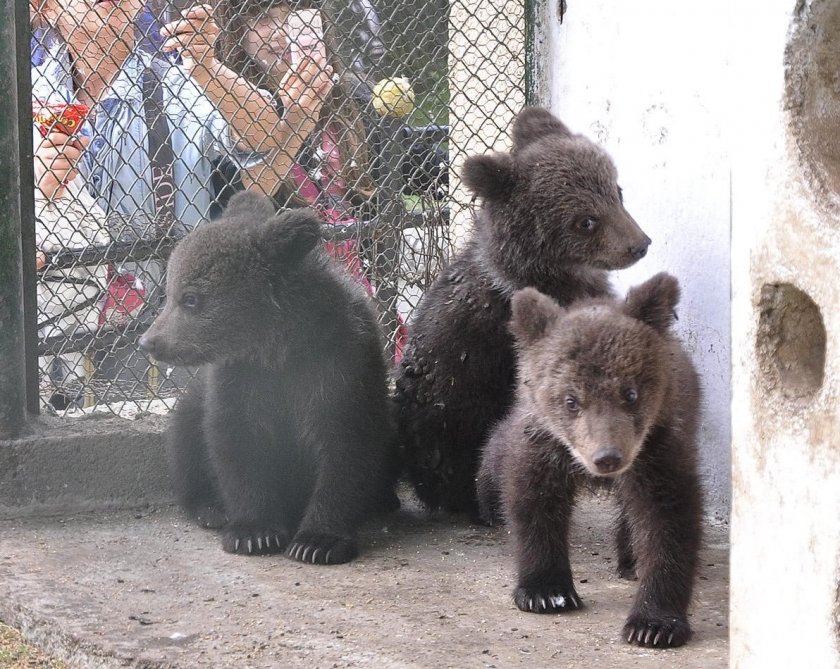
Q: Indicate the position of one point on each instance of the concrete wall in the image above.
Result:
(786, 338)
(64, 466)
(648, 81)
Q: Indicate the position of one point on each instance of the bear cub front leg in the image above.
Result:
(545, 583)
(540, 525)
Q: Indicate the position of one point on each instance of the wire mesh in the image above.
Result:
(149, 114)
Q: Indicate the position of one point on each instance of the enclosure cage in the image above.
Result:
(147, 115)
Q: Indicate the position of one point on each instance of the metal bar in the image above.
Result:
(371, 227)
(115, 252)
(90, 370)
(392, 217)
(86, 340)
(143, 250)
(12, 346)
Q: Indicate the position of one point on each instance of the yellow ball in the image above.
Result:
(393, 96)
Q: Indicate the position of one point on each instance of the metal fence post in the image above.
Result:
(27, 203)
(12, 339)
(391, 214)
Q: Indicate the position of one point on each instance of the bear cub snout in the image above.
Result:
(606, 393)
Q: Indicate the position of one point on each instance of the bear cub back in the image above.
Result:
(605, 393)
(284, 440)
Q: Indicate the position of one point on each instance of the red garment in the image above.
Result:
(124, 298)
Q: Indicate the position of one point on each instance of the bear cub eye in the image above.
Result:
(587, 224)
(630, 396)
(190, 300)
(572, 404)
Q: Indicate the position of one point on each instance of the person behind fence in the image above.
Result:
(328, 166)
(138, 164)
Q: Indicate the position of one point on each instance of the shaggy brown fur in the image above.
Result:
(284, 439)
(605, 393)
(552, 217)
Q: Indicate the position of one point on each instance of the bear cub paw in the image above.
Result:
(250, 540)
(546, 599)
(317, 548)
(656, 631)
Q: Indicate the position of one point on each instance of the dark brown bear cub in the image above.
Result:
(285, 438)
(551, 217)
(605, 393)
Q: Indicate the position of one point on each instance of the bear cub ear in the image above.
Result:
(534, 123)
(249, 206)
(654, 302)
(533, 316)
(490, 176)
(289, 236)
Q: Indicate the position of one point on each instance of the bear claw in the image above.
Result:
(659, 632)
(314, 548)
(546, 600)
(251, 541)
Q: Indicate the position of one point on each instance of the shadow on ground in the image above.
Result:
(149, 589)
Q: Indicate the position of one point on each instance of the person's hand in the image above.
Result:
(304, 90)
(56, 161)
(40, 260)
(194, 37)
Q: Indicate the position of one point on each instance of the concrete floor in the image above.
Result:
(148, 589)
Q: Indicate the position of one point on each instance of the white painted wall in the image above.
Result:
(649, 81)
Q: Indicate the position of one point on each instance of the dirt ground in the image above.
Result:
(147, 589)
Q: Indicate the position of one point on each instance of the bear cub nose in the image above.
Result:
(607, 461)
(147, 344)
(639, 251)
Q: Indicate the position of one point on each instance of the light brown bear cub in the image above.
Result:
(605, 393)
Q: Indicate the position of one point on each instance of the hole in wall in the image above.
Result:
(791, 341)
(812, 61)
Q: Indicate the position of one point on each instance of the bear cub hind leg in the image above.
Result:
(193, 479)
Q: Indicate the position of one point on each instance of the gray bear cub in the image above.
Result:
(284, 439)
(606, 394)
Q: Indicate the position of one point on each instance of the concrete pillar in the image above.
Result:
(12, 347)
(786, 336)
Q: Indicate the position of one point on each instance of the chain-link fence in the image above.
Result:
(148, 115)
